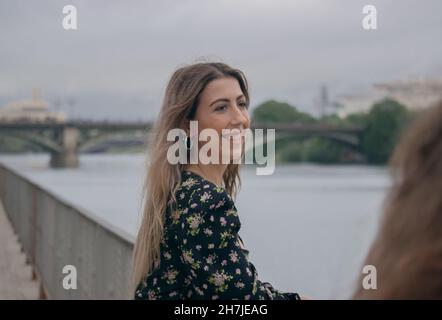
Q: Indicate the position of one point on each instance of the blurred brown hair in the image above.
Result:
(407, 251)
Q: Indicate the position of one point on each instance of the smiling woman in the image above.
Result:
(188, 245)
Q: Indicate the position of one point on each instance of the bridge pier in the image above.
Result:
(68, 156)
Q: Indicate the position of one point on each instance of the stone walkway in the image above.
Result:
(15, 275)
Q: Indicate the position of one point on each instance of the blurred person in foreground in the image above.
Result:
(407, 251)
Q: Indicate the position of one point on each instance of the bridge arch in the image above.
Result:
(45, 144)
(352, 142)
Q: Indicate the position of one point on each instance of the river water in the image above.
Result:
(308, 227)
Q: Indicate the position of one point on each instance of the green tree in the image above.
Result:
(383, 126)
(333, 119)
(273, 111)
(323, 151)
(357, 119)
(289, 152)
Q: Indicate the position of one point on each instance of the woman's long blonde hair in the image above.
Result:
(179, 106)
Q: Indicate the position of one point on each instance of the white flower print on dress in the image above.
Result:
(206, 196)
(233, 256)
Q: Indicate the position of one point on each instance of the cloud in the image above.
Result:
(286, 48)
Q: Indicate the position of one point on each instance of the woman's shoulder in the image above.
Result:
(196, 192)
(201, 202)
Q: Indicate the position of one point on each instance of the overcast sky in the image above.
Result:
(117, 64)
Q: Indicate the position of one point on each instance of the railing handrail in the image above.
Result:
(83, 211)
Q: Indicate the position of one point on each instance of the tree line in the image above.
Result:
(382, 126)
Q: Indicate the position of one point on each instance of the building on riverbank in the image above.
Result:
(416, 94)
(30, 110)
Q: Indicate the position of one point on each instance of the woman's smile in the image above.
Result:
(236, 135)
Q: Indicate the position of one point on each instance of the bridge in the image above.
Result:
(65, 140)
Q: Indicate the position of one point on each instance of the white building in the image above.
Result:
(415, 94)
(34, 110)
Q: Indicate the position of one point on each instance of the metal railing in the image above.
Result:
(55, 233)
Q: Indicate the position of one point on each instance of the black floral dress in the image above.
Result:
(201, 252)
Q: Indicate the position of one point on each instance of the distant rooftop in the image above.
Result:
(414, 93)
(34, 109)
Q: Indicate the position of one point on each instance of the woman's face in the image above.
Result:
(223, 106)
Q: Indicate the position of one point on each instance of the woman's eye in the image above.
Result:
(243, 104)
(221, 108)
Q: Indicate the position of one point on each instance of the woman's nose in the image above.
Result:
(239, 117)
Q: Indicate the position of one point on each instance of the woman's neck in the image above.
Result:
(211, 172)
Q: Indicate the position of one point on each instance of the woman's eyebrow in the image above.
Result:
(225, 99)
(217, 100)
